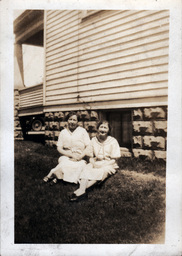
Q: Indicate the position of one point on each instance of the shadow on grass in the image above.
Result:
(128, 208)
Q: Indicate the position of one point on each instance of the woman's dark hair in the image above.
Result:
(72, 113)
(104, 122)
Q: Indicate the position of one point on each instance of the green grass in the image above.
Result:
(128, 208)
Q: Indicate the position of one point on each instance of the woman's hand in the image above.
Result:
(76, 157)
(92, 160)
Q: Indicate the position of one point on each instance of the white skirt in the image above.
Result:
(100, 170)
(69, 170)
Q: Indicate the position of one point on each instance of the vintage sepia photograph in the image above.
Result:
(91, 126)
(91, 101)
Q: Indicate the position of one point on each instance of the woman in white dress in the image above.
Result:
(73, 145)
(105, 151)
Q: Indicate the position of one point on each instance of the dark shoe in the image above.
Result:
(46, 179)
(54, 181)
(75, 198)
(100, 183)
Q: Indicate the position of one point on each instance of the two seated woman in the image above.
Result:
(74, 144)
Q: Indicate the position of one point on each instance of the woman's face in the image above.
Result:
(103, 130)
(72, 122)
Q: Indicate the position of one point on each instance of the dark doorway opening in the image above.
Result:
(121, 124)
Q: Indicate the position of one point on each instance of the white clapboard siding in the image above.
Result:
(102, 58)
(118, 68)
(117, 48)
(156, 78)
(112, 62)
(59, 16)
(116, 38)
(117, 75)
(85, 40)
(112, 97)
(64, 28)
(122, 88)
(32, 96)
(108, 56)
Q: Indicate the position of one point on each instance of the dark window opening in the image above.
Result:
(121, 124)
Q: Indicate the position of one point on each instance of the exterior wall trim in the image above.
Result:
(104, 105)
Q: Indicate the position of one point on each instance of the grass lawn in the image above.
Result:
(128, 208)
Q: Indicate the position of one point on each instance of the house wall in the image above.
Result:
(31, 96)
(109, 60)
(112, 59)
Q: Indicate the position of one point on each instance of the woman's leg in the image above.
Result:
(84, 184)
(52, 174)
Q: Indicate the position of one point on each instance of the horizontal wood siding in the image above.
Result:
(108, 56)
(31, 97)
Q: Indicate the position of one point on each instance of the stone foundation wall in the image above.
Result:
(150, 132)
(55, 122)
(18, 134)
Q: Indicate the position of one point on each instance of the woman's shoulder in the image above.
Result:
(111, 139)
(81, 129)
(65, 130)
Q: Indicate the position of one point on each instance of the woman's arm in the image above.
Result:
(64, 152)
(85, 152)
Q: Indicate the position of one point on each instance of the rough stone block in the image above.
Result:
(80, 124)
(16, 118)
(94, 115)
(62, 125)
(18, 128)
(66, 115)
(16, 104)
(15, 112)
(137, 141)
(137, 114)
(160, 154)
(154, 113)
(126, 154)
(16, 123)
(153, 142)
(160, 128)
(54, 126)
(18, 134)
(46, 125)
(90, 126)
(49, 116)
(123, 149)
(54, 144)
(16, 99)
(16, 107)
(56, 135)
(16, 93)
(58, 116)
(49, 135)
(51, 125)
(143, 154)
(51, 143)
(142, 127)
(47, 142)
(84, 115)
(92, 134)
